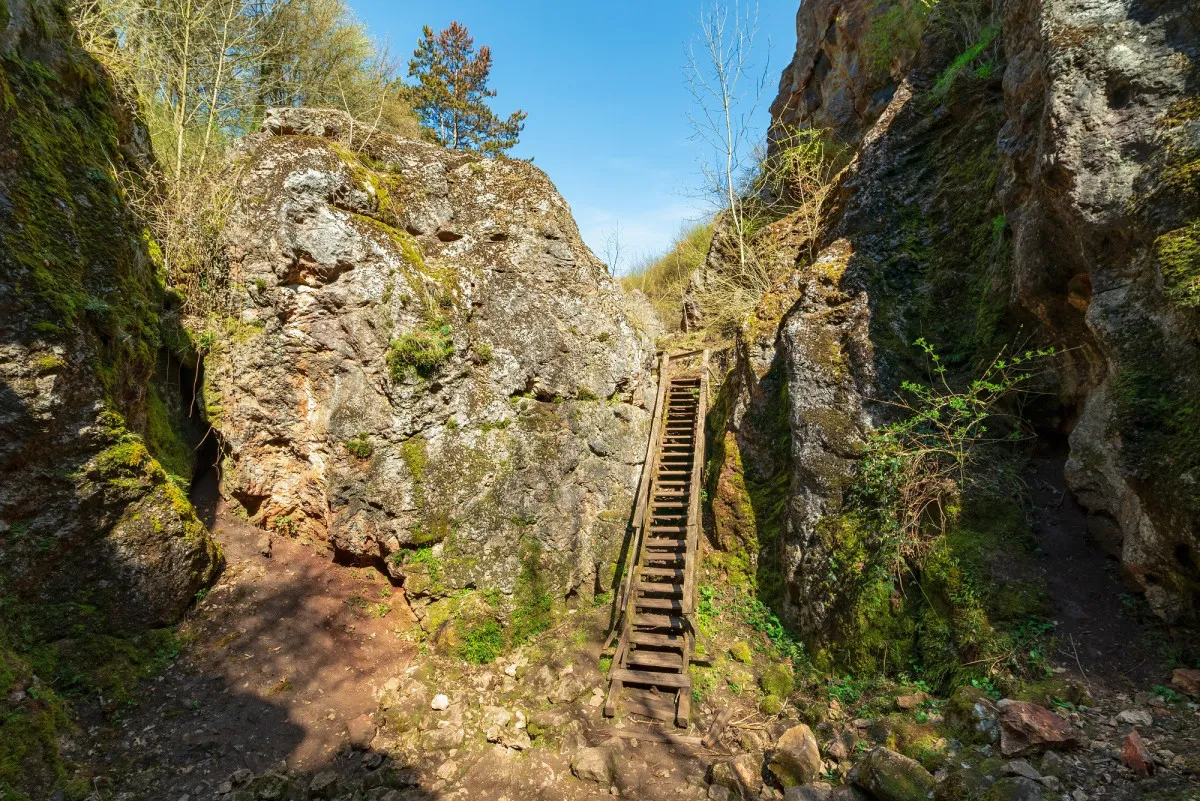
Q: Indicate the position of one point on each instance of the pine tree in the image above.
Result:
(450, 97)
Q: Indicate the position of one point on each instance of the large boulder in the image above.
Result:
(425, 367)
(796, 759)
(889, 776)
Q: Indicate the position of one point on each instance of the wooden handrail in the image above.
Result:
(696, 481)
(643, 498)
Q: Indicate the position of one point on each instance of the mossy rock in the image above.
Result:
(770, 705)
(740, 651)
(889, 776)
(777, 680)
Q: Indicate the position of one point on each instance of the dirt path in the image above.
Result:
(1102, 637)
(280, 656)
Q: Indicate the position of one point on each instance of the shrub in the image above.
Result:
(360, 447)
(895, 30)
(421, 352)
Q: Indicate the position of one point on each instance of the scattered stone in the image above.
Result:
(372, 760)
(1187, 680)
(808, 792)
(1027, 728)
(718, 793)
(1019, 767)
(1136, 756)
(324, 785)
(889, 776)
(796, 759)
(842, 746)
(1136, 717)
(264, 546)
(907, 702)
(971, 709)
(1015, 788)
(361, 731)
(224, 788)
(447, 770)
(748, 769)
(440, 703)
(241, 777)
(594, 765)
(1053, 764)
(517, 740)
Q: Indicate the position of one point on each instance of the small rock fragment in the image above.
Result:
(360, 732)
(1136, 717)
(796, 759)
(1136, 756)
(1027, 728)
(913, 701)
(1187, 680)
(440, 703)
(593, 765)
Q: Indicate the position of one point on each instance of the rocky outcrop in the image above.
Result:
(1101, 187)
(93, 531)
(1024, 174)
(426, 367)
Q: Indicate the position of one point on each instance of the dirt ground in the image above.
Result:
(1104, 635)
(280, 655)
(290, 649)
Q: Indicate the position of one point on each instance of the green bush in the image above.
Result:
(421, 352)
(896, 28)
(360, 447)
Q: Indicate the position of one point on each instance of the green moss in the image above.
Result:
(533, 612)
(165, 437)
(740, 651)
(895, 30)
(414, 451)
(1178, 255)
(777, 680)
(770, 705)
(1180, 112)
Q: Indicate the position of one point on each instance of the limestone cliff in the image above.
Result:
(426, 367)
(88, 516)
(1024, 174)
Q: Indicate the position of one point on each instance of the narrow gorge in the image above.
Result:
(365, 479)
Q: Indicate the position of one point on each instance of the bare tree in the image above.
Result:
(726, 96)
(613, 252)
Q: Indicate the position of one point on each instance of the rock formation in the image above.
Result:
(1028, 178)
(89, 519)
(426, 366)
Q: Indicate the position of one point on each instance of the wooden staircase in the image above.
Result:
(649, 675)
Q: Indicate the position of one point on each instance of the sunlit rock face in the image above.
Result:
(425, 366)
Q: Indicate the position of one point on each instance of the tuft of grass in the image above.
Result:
(664, 279)
(421, 352)
(482, 643)
(964, 60)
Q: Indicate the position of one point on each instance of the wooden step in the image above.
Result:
(663, 561)
(663, 709)
(664, 543)
(658, 640)
(650, 677)
(664, 572)
(659, 659)
(668, 529)
(660, 604)
(655, 621)
(661, 588)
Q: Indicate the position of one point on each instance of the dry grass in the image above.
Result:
(663, 280)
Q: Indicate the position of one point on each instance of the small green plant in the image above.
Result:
(585, 394)
(360, 446)
(1167, 694)
(482, 643)
(421, 352)
(964, 60)
(896, 28)
(914, 470)
(483, 352)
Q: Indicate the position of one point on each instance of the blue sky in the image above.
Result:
(603, 85)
